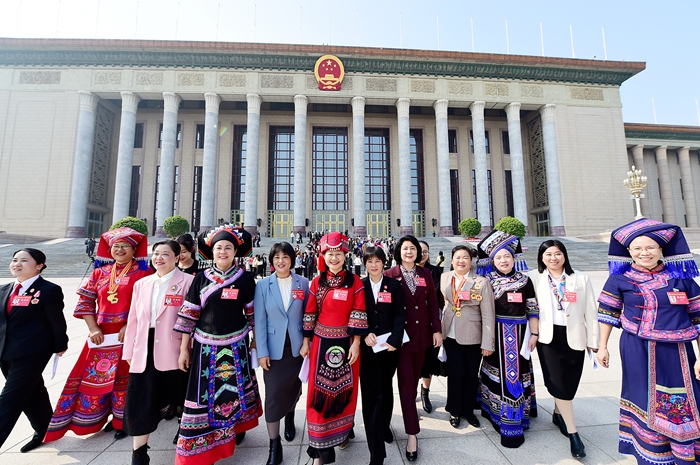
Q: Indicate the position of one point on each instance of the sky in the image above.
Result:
(664, 35)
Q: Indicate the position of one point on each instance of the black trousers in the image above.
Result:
(376, 375)
(462, 377)
(24, 391)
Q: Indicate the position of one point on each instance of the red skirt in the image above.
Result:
(95, 388)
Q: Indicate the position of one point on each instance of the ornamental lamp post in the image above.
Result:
(636, 183)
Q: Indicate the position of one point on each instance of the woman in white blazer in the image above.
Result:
(568, 326)
(153, 349)
(280, 300)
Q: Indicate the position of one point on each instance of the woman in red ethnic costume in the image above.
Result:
(97, 384)
(222, 400)
(336, 319)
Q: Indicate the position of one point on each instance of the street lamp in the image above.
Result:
(635, 182)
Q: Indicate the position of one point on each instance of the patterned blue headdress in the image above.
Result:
(678, 259)
(492, 244)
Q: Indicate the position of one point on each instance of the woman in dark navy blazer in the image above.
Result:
(423, 328)
(385, 314)
(32, 328)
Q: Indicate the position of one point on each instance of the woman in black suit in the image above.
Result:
(32, 328)
(385, 315)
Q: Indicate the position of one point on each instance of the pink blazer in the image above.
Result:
(166, 346)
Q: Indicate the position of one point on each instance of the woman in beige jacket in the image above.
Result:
(468, 321)
(568, 325)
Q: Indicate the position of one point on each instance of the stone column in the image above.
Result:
(209, 160)
(691, 210)
(300, 107)
(443, 168)
(406, 210)
(82, 164)
(517, 165)
(252, 163)
(358, 167)
(638, 157)
(551, 162)
(122, 182)
(166, 183)
(481, 166)
(666, 191)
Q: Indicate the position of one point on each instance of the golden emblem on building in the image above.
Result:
(329, 72)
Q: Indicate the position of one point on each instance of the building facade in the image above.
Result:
(670, 158)
(409, 141)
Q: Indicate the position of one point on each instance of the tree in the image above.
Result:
(175, 225)
(469, 227)
(133, 223)
(511, 225)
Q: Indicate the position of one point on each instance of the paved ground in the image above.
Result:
(595, 406)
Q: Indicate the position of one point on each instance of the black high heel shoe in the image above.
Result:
(412, 456)
(558, 420)
(578, 450)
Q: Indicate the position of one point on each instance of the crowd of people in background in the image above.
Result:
(181, 335)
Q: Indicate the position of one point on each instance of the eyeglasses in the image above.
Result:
(651, 248)
(121, 247)
(426, 252)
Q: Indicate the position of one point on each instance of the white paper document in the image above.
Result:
(55, 365)
(304, 372)
(593, 359)
(382, 338)
(110, 340)
(254, 359)
(442, 354)
(525, 350)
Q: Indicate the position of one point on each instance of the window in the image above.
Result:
(197, 198)
(505, 140)
(199, 137)
(452, 140)
(177, 139)
(280, 193)
(240, 144)
(471, 141)
(417, 170)
(476, 209)
(330, 108)
(138, 136)
(510, 209)
(329, 148)
(542, 223)
(377, 191)
(135, 190)
(454, 197)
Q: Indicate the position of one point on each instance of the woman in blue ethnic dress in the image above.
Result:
(657, 304)
(507, 385)
(222, 400)
(98, 382)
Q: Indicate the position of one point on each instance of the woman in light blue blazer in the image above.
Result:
(280, 300)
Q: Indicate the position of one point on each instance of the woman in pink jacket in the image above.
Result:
(152, 348)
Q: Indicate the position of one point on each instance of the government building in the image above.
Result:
(298, 138)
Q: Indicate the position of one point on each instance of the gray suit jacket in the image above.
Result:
(478, 320)
(273, 322)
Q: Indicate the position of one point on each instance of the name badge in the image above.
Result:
(229, 294)
(384, 298)
(340, 294)
(515, 297)
(122, 280)
(175, 300)
(297, 294)
(678, 298)
(464, 295)
(570, 297)
(21, 300)
(419, 281)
